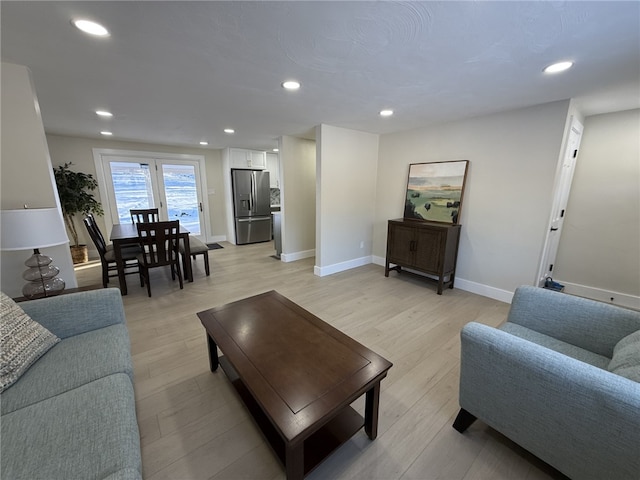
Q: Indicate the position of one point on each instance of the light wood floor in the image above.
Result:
(193, 426)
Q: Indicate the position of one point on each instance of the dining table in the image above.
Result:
(124, 234)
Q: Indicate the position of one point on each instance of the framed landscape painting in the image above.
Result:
(435, 191)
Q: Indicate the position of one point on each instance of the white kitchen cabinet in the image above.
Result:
(243, 158)
(273, 166)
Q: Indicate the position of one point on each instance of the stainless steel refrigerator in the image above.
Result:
(251, 205)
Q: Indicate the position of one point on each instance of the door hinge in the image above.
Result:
(201, 206)
(575, 153)
(551, 267)
(562, 214)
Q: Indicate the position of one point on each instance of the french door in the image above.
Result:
(172, 185)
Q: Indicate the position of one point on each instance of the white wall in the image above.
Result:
(79, 151)
(27, 175)
(346, 194)
(599, 252)
(513, 159)
(298, 197)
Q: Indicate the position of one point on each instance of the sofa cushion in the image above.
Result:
(195, 246)
(86, 433)
(72, 362)
(626, 357)
(572, 351)
(22, 341)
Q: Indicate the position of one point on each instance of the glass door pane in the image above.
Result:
(133, 188)
(182, 196)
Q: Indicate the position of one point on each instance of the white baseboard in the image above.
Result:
(607, 296)
(484, 290)
(217, 238)
(292, 257)
(341, 267)
(378, 260)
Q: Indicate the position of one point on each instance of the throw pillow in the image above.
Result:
(22, 341)
(626, 357)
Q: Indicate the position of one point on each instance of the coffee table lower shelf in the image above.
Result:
(318, 446)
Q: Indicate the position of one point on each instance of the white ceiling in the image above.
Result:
(176, 73)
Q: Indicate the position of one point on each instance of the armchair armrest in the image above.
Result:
(75, 313)
(579, 418)
(588, 324)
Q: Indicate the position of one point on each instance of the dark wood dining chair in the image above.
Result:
(159, 242)
(196, 247)
(107, 254)
(144, 215)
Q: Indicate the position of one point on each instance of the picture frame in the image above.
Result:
(435, 191)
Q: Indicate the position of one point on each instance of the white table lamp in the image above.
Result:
(35, 228)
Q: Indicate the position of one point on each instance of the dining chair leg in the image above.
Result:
(185, 259)
(148, 280)
(179, 273)
(105, 274)
(206, 262)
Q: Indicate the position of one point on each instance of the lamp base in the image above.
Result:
(41, 276)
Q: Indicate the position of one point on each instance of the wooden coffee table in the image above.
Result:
(297, 376)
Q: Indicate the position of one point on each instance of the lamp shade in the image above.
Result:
(31, 228)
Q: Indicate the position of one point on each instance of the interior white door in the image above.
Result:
(560, 200)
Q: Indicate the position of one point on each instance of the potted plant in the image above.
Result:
(74, 190)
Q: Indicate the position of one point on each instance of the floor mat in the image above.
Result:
(214, 246)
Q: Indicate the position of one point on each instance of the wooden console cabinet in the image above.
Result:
(427, 247)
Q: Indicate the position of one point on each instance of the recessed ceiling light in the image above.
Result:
(291, 85)
(276, 150)
(92, 28)
(386, 113)
(229, 130)
(106, 133)
(104, 113)
(204, 143)
(558, 67)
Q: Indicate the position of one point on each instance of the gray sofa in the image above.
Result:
(72, 414)
(543, 380)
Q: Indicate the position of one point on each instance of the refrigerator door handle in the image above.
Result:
(251, 193)
(253, 219)
(254, 192)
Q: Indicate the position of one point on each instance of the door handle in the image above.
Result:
(553, 229)
(251, 188)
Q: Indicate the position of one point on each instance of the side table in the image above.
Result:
(64, 292)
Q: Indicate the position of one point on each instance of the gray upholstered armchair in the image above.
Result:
(559, 378)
